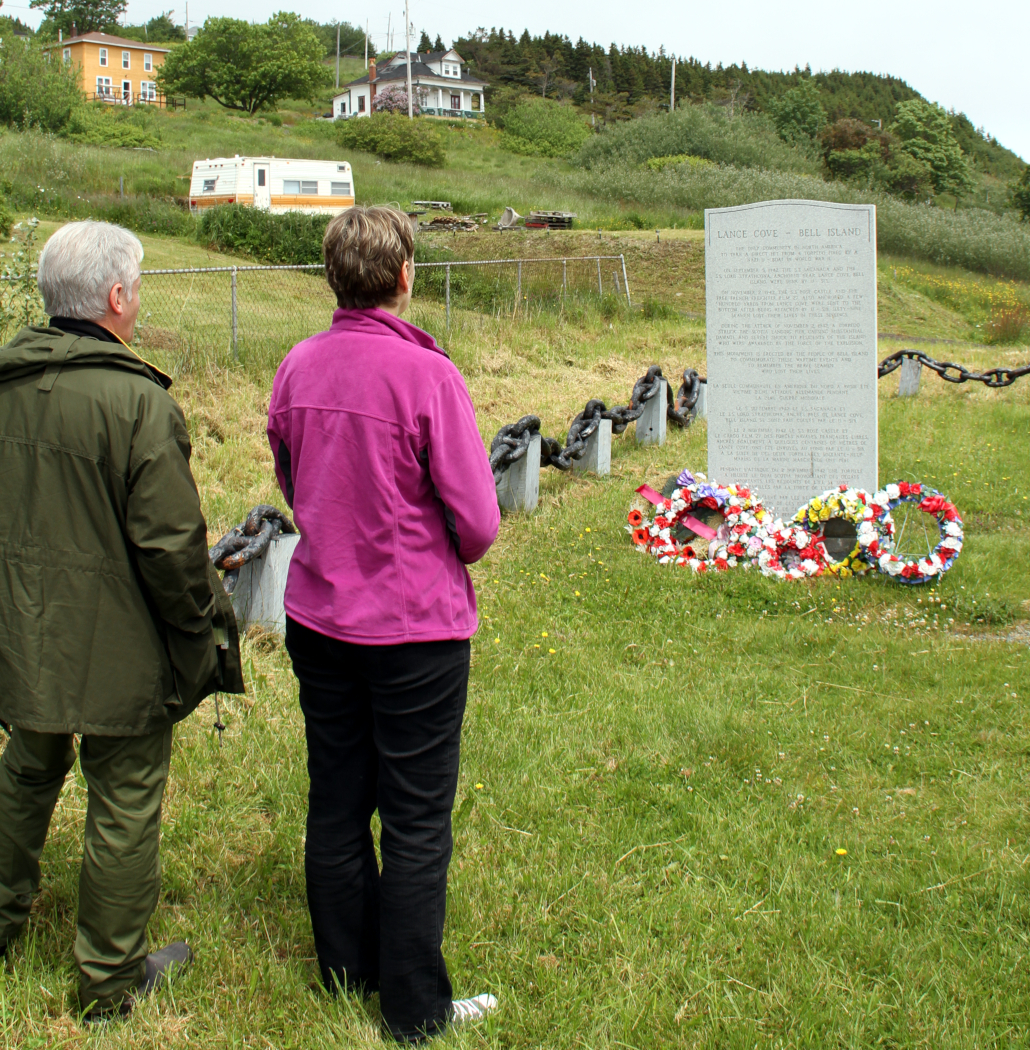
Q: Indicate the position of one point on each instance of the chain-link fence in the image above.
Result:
(256, 313)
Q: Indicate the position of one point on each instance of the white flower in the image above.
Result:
(893, 491)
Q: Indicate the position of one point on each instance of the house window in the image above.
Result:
(361, 103)
(309, 187)
(147, 91)
(475, 102)
(125, 60)
(455, 101)
(148, 63)
(261, 176)
(209, 185)
(343, 109)
(341, 189)
(67, 55)
(103, 56)
(104, 87)
(291, 186)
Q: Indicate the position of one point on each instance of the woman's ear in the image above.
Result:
(406, 278)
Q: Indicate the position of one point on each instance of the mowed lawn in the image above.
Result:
(710, 811)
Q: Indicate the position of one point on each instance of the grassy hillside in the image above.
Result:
(660, 771)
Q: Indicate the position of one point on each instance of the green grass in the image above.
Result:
(623, 874)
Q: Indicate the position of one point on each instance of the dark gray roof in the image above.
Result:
(418, 70)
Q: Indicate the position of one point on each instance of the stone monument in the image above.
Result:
(791, 317)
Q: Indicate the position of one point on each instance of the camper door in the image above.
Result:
(262, 186)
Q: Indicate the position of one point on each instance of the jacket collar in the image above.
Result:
(381, 322)
(90, 329)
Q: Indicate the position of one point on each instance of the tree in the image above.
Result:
(925, 133)
(424, 43)
(91, 16)
(1021, 194)
(539, 127)
(160, 29)
(35, 92)
(248, 67)
(438, 44)
(798, 114)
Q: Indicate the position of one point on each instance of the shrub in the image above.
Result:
(6, 219)
(393, 137)
(1021, 195)
(35, 93)
(541, 128)
(747, 141)
(101, 124)
(293, 238)
(661, 163)
(926, 134)
(394, 99)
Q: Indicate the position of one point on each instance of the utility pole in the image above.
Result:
(337, 56)
(407, 54)
(389, 41)
(590, 74)
(672, 90)
(187, 21)
(366, 43)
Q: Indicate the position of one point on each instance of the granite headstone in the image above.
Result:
(791, 318)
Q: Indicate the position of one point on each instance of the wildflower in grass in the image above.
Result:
(842, 852)
(552, 651)
(479, 787)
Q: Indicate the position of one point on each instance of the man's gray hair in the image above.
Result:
(81, 263)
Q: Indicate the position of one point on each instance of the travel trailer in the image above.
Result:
(274, 184)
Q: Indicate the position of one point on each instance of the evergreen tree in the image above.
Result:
(799, 115)
(438, 44)
(424, 43)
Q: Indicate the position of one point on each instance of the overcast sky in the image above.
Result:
(970, 56)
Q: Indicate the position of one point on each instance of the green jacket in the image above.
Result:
(112, 619)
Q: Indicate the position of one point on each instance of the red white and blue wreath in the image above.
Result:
(908, 569)
(676, 535)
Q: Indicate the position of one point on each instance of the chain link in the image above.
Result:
(994, 377)
(248, 541)
(511, 442)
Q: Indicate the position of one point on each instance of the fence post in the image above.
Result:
(600, 286)
(518, 290)
(447, 296)
(235, 326)
(564, 277)
(625, 280)
(615, 279)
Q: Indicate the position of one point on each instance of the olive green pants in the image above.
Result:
(120, 879)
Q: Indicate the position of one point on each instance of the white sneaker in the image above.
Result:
(464, 1011)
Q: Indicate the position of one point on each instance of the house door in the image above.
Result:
(262, 187)
(127, 91)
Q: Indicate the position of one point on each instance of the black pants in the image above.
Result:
(383, 727)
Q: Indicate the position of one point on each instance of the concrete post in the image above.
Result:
(519, 487)
(908, 384)
(702, 401)
(651, 425)
(598, 456)
(259, 593)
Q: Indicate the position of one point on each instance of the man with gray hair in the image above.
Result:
(113, 623)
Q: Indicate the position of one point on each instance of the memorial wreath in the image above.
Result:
(675, 535)
(935, 563)
(788, 552)
(874, 527)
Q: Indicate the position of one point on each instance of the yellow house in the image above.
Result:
(112, 68)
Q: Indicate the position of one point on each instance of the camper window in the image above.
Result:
(341, 189)
(291, 186)
(309, 186)
(209, 185)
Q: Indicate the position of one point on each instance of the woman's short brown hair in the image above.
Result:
(364, 249)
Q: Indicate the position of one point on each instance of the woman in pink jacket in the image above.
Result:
(378, 453)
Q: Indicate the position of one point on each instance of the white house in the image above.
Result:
(439, 80)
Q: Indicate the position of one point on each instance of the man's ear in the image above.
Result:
(114, 299)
